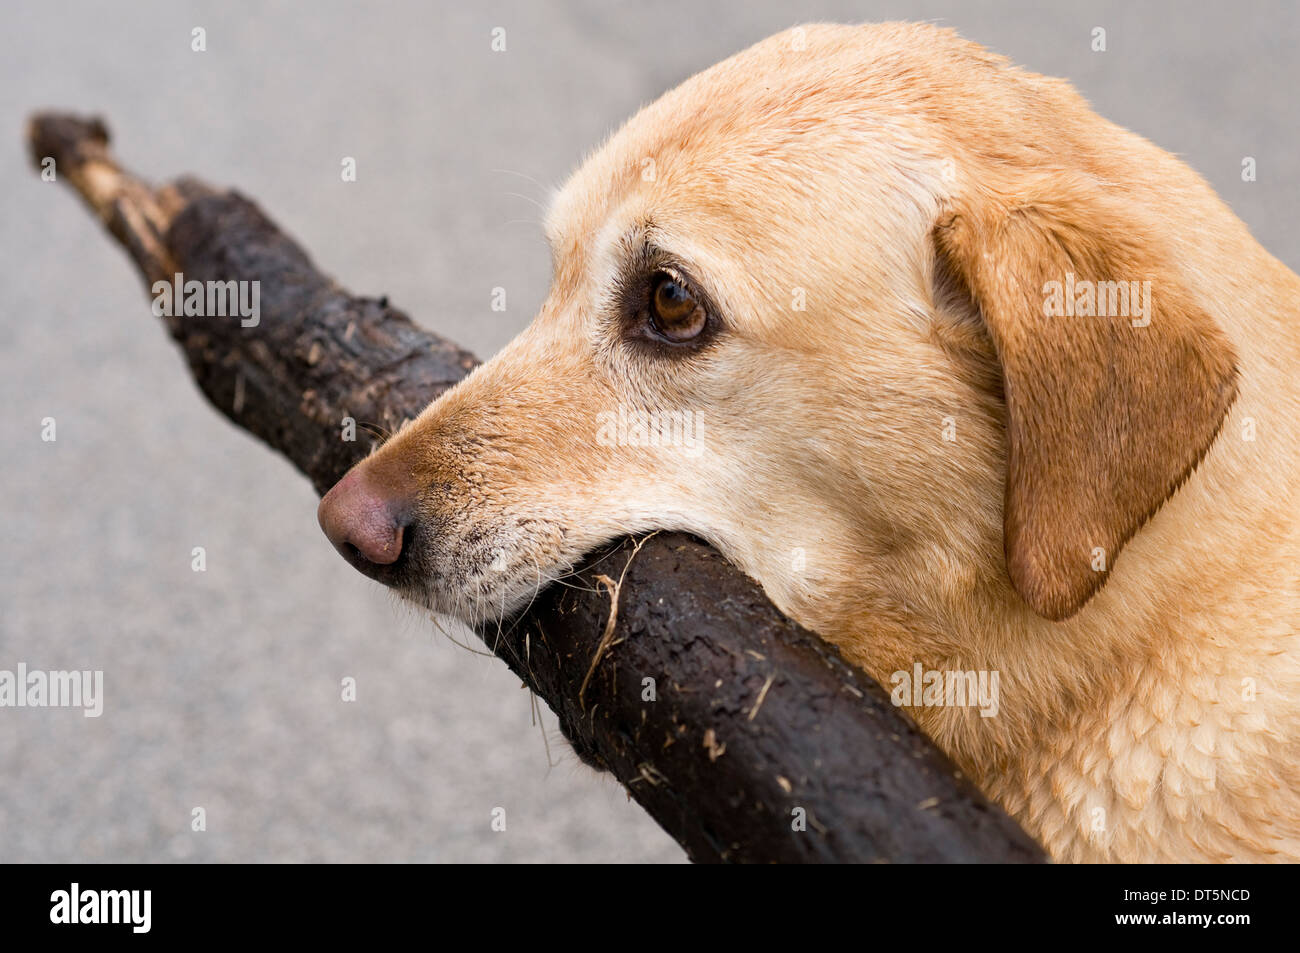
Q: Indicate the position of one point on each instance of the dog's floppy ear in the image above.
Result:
(1107, 412)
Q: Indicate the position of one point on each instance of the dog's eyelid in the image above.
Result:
(655, 258)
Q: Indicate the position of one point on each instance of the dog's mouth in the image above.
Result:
(477, 585)
(454, 568)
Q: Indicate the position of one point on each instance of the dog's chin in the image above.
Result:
(475, 606)
(478, 592)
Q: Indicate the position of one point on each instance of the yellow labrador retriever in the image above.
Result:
(967, 377)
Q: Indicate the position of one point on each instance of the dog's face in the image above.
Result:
(815, 276)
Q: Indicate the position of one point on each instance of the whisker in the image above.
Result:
(455, 641)
(523, 175)
(528, 198)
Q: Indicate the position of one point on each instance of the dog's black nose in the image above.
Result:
(365, 522)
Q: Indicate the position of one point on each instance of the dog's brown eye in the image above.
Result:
(674, 311)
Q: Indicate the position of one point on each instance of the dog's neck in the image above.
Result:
(1141, 714)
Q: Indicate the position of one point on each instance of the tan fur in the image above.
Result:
(920, 191)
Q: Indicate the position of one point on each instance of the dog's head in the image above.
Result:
(883, 318)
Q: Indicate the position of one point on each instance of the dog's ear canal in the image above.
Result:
(1116, 379)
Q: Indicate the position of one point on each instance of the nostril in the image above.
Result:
(366, 563)
(372, 534)
(381, 548)
(363, 524)
(378, 539)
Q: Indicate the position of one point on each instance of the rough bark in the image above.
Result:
(754, 722)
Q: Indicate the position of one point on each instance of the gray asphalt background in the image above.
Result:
(223, 687)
